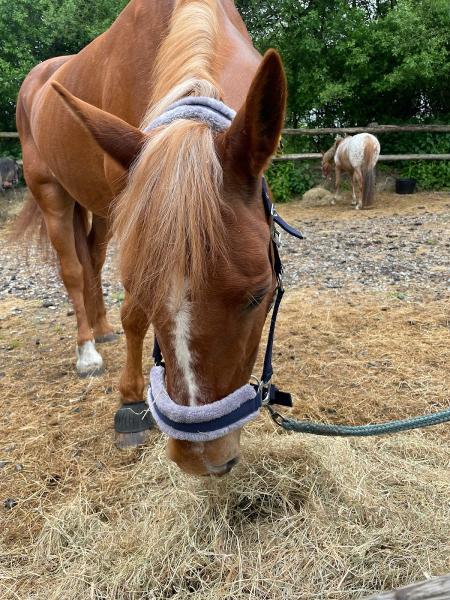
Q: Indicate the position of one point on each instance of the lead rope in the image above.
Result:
(394, 426)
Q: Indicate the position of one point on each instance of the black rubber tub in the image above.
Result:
(405, 186)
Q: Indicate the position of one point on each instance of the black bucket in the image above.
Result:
(405, 186)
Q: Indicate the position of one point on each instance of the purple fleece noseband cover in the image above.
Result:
(200, 423)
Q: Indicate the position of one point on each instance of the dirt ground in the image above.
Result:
(300, 517)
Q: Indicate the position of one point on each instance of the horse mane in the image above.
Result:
(168, 220)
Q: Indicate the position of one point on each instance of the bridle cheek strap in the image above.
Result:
(205, 422)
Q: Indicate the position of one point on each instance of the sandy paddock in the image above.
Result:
(299, 518)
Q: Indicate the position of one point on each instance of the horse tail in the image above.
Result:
(30, 227)
(81, 227)
(368, 176)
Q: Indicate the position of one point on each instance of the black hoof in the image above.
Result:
(106, 339)
(132, 423)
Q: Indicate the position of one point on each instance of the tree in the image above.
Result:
(351, 62)
(33, 30)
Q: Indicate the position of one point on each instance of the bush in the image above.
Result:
(288, 179)
(429, 174)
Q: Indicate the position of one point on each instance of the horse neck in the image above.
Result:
(329, 154)
(146, 22)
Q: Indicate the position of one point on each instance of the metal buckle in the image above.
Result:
(276, 237)
(280, 283)
(276, 417)
(263, 389)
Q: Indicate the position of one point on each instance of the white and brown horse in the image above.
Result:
(195, 241)
(356, 155)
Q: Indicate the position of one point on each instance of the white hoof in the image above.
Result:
(89, 361)
(333, 201)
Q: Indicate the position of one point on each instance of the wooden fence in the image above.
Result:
(376, 129)
(344, 130)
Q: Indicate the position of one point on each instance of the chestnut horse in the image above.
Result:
(356, 155)
(185, 202)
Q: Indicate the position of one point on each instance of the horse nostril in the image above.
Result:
(224, 469)
(230, 464)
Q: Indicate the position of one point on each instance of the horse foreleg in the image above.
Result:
(336, 185)
(131, 422)
(98, 243)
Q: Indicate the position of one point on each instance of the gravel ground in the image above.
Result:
(406, 254)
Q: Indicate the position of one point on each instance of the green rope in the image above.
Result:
(360, 430)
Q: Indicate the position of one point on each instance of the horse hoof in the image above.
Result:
(107, 338)
(131, 440)
(89, 361)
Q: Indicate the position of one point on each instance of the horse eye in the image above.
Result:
(255, 301)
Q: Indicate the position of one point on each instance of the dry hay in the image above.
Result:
(301, 517)
(317, 196)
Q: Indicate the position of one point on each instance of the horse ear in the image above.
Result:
(117, 138)
(254, 135)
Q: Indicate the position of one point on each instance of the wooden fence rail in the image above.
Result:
(433, 589)
(335, 130)
(382, 157)
(374, 129)
(350, 130)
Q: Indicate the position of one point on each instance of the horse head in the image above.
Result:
(328, 156)
(196, 248)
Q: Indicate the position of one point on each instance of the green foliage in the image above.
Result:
(288, 179)
(32, 31)
(429, 174)
(351, 62)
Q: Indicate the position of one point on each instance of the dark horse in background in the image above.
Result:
(9, 173)
(185, 202)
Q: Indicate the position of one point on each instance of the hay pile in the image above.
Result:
(304, 519)
(317, 196)
(300, 517)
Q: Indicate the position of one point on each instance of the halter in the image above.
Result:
(211, 421)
